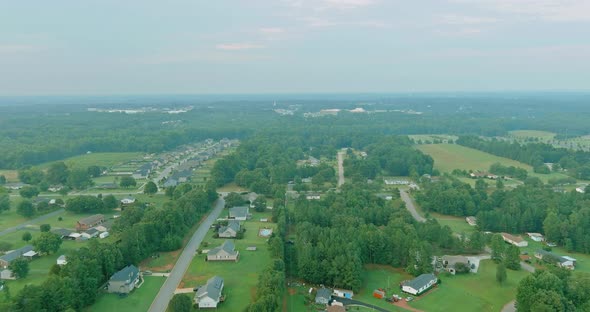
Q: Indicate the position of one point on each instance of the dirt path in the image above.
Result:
(410, 206)
(340, 168)
(510, 307)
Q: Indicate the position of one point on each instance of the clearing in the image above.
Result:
(139, 300)
(97, 159)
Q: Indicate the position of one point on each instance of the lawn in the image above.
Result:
(139, 300)
(69, 219)
(381, 276)
(240, 277)
(471, 292)
(232, 187)
(10, 218)
(98, 159)
(448, 157)
(10, 175)
(457, 224)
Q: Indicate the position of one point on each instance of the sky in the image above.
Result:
(105, 47)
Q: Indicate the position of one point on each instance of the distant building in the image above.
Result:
(471, 221)
(560, 261)
(323, 296)
(231, 230)
(514, 240)
(88, 222)
(209, 295)
(239, 213)
(6, 259)
(537, 237)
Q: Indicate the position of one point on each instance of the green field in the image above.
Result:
(457, 224)
(98, 159)
(536, 134)
(448, 157)
(10, 218)
(138, 301)
(381, 276)
(10, 175)
(240, 278)
(471, 292)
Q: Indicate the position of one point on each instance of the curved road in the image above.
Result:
(410, 206)
(36, 220)
(165, 294)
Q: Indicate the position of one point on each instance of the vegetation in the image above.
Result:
(554, 290)
(19, 267)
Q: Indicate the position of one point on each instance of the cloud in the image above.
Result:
(271, 30)
(18, 48)
(316, 22)
(348, 4)
(462, 32)
(451, 19)
(551, 10)
(321, 5)
(238, 46)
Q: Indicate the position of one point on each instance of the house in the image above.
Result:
(514, 240)
(560, 261)
(450, 263)
(313, 196)
(225, 252)
(323, 296)
(127, 201)
(239, 213)
(231, 230)
(537, 237)
(124, 281)
(471, 221)
(6, 274)
(581, 189)
(170, 183)
(477, 175)
(103, 235)
(90, 233)
(15, 186)
(342, 293)
(62, 260)
(209, 295)
(63, 233)
(88, 222)
(420, 284)
(335, 308)
(6, 259)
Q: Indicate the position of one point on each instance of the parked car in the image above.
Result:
(408, 299)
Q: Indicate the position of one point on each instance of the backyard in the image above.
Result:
(139, 300)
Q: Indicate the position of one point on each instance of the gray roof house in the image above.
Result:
(170, 182)
(9, 257)
(420, 284)
(124, 281)
(209, 295)
(239, 213)
(323, 296)
(231, 230)
(225, 252)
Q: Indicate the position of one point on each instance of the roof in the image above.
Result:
(16, 253)
(62, 232)
(62, 257)
(324, 293)
(335, 308)
(231, 224)
(212, 289)
(227, 246)
(92, 219)
(238, 212)
(91, 231)
(129, 272)
(452, 260)
(420, 281)
(513, 238)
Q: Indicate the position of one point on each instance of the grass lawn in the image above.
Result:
(232, 187)
(98, 159)
(69, 219)
(10, 218)
(381, 276)
(10, 175)
(448, 157)
(240, 277)
(138, 301)
(471, 292)
(457, 224)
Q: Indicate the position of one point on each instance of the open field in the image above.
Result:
(232, 187)
(98, 159)
(471, 292)
(10, 175)
(240, 278)
(448, 157)
(138, 301)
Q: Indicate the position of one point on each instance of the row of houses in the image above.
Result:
(560, 261)
(26, 252)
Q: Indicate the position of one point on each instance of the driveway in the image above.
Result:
(351, 302)
(165, 294)
(410, 206)
(476, 259)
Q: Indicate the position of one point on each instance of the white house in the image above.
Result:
(209, 295)
(62, 260)
(103, 235)
(537, 237)
(420, 284)
(471, 221)
(514, 240)
(127, 200)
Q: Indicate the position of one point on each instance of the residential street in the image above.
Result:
(410, 206)
(340, 168)
(36, 220)
(165, 294)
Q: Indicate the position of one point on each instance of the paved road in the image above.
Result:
(36, 220)
(340, 168)
(410, 206)
(165, 294)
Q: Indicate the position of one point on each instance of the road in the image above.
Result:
(165, 294)
(340, 168)
(32, 221)
(410, 206)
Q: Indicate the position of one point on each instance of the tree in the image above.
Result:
(47, 243)
(4, 202)
(260, 204)
(110, 202)
(497, 247)
(150, 188)
(499, 184)
(19, 267)
(501, 273)
(57, 173)
(94, 171)
(25, 208)
(79, 179)
(180, 303)
(127, 181)
(29, 191)
(512, 257)
(2, 180)
(81, 204)
(27, 236)
(233, 200)
(45, 227)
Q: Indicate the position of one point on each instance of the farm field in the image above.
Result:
(240, 278)
(448, 157)
(474, 292)
(97, 159)
(138, 301)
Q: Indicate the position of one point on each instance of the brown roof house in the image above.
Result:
(225, 252)
(514, 240)
(88, 222)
